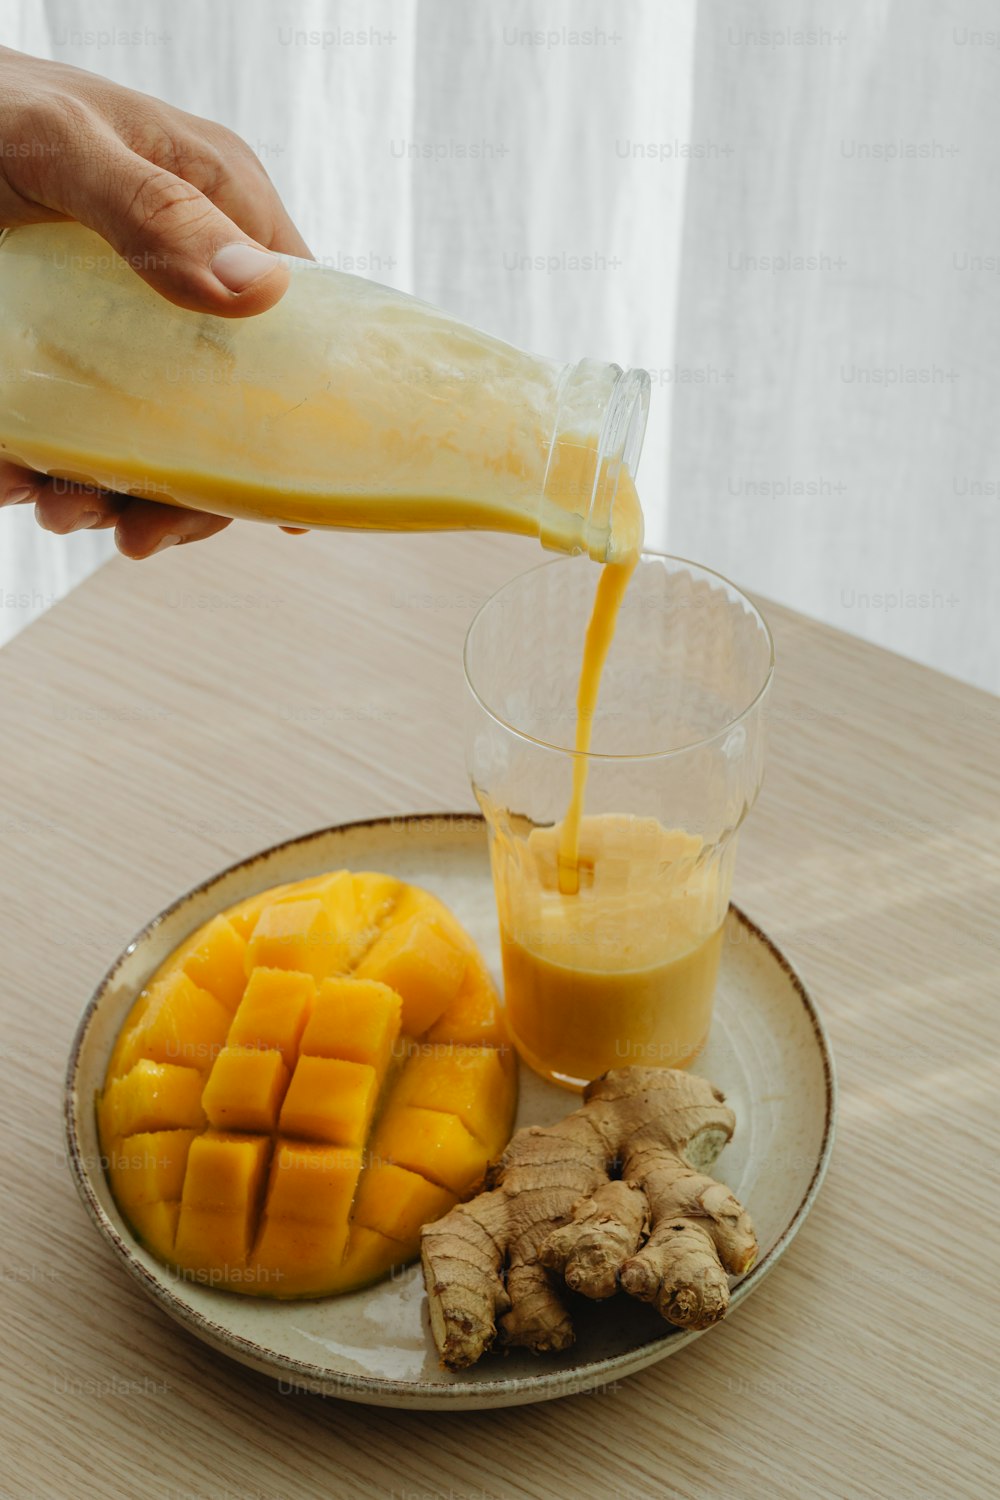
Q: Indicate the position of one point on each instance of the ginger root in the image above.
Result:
(613, 1196)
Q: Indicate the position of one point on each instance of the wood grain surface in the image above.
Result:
(171, 716)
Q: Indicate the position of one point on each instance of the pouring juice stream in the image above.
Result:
(611, 586)
(611, 939)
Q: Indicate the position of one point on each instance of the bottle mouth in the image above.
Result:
(598, 435)
(619, 451)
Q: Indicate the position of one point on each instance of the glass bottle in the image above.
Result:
(347, 404)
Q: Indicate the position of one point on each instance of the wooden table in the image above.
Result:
(171, 716)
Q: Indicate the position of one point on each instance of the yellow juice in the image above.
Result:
(571, 1023)
(622, 970)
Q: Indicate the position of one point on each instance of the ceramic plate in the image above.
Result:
(768, 1052)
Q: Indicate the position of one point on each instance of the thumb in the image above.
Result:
(175, 238)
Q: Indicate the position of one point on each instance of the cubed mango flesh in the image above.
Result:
(151, 1096)
(422, 963)
(339, 896)
(238, 1116)
(375, 897)
(246, 1089)
(397, 1202)
(215, 960)
(474, 1016)
(295, 934)
(244, 916)
(435, 1144)
(225, 1172)
(312, 1184)
(155, 1224)
(126, 1051)
(294, 1259)
(357, 1020)
(369, 1256)
(469, 1082)
(348, 937)
(182, 1024)
(219, 1203)
(414, 901)
(149, 1167)
(273, 1012)
(306, 1219)
(329, 1100)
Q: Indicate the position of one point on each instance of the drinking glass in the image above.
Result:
(623, 970)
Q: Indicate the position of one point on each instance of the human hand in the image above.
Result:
(184, 200)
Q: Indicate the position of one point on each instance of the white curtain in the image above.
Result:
(610, 179)
(842, 267)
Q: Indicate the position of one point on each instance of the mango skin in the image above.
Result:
(245, 1173)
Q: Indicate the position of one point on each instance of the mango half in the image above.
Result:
(308, 1079)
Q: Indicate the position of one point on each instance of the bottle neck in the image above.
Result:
(588, 499)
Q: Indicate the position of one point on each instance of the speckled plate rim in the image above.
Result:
(379, 1390)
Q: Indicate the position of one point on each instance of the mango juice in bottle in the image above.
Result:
(347, 404)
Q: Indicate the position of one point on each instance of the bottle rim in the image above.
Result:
(621, 399)
(622, 434)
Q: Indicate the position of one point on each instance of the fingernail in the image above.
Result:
(19, 496)
(239, 266)
(86, 519)
(167, 541)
